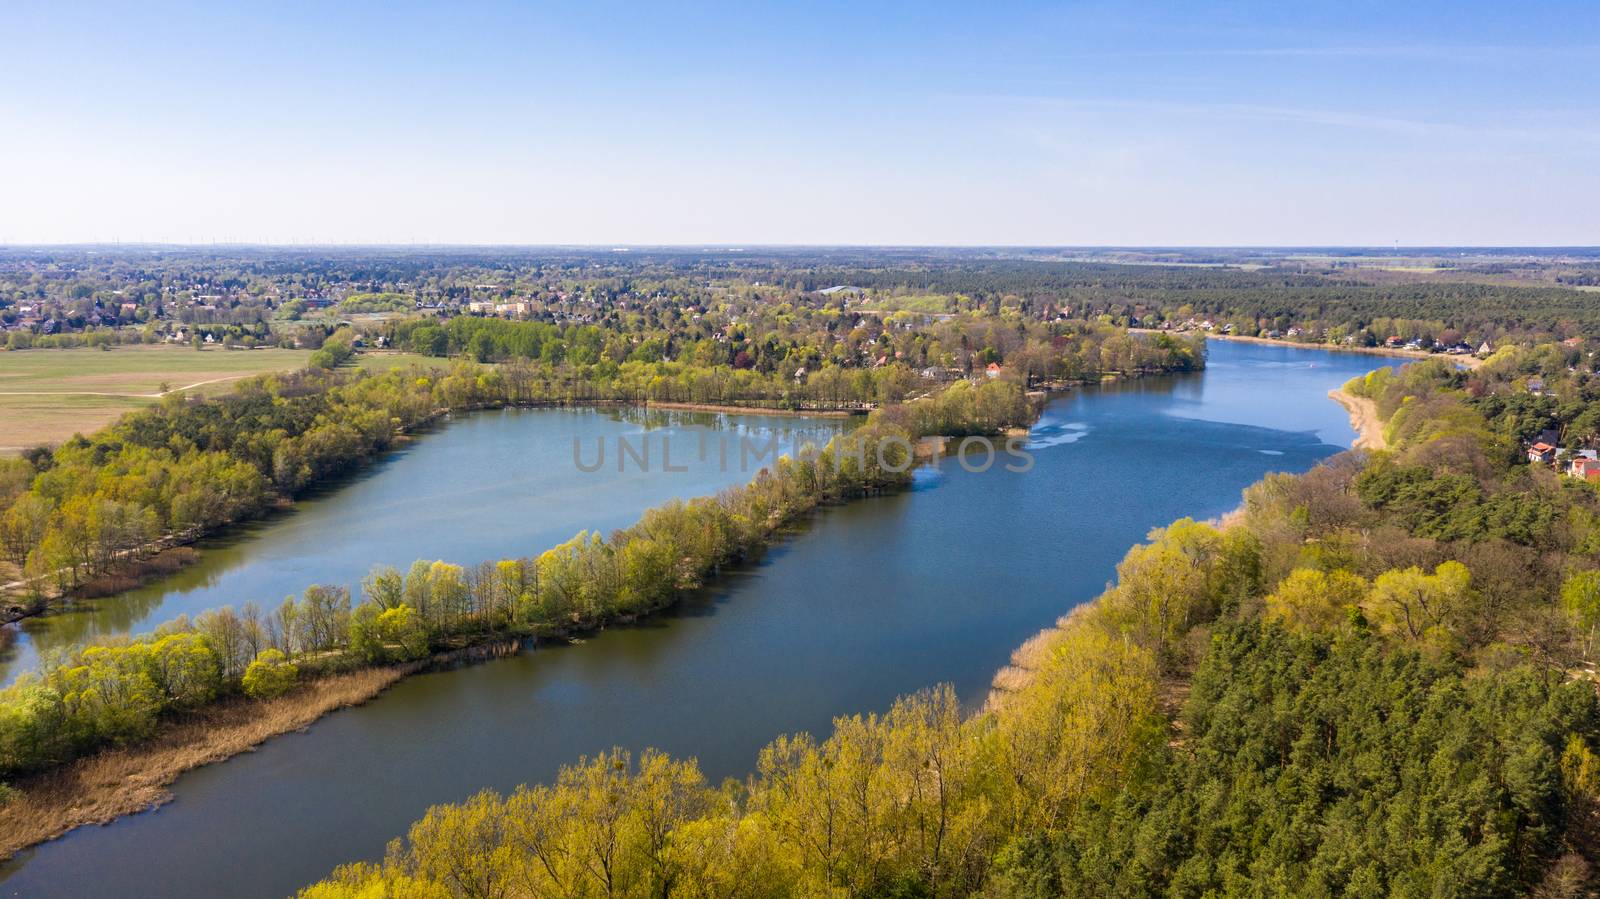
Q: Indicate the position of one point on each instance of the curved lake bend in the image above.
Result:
(874, 599)
(489, 485)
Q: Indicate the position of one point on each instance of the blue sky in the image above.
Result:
(1347, 123)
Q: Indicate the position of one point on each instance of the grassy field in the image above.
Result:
(384, 360)
(47, 396)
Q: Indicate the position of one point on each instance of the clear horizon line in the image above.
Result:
(612, 246)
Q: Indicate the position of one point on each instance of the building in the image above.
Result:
(993, 371)
(1584, 468)
(1542, 452)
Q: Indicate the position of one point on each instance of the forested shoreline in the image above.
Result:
(190, 466)
(1377, 680)
(125, 691)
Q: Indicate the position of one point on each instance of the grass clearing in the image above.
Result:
(384, 360)
(134, 370)
(46, 396)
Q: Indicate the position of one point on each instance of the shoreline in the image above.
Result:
(108, 785)
(116, 782)
(752, 410)
(120, 781)
(1027, 658)
(1393, 352)
(12, 612)
(1363, 419)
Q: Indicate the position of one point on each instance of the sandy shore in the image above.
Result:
(1030, 656)
(1363, 418)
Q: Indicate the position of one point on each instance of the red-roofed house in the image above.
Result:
(1542, 452)
(1585, 468)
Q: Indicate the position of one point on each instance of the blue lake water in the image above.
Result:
(869, 601)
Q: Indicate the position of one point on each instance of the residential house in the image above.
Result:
(1542, 452)
(1584, 468)
(993, 370)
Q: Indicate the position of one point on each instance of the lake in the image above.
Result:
(869, 601)
(488, 485)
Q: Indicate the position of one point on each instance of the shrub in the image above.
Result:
(269, 675)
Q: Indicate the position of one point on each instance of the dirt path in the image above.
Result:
(142, 396)
(1363, 418)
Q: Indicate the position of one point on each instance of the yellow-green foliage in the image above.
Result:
(582, 583)
(918, 796)
(1310, 600)
(1370, 385)
(270, 675)
(100, 694)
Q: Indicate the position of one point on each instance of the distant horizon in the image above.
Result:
(752, 245)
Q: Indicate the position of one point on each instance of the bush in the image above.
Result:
(270, 675)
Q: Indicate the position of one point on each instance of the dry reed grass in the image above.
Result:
(102, 787)
(1027, 659)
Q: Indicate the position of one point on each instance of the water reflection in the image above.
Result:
(489, 485)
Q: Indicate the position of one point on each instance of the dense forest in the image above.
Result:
(1443, 313)
(1376, 679)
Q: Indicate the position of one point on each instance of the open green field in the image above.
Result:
(385, 360)
(46, 396)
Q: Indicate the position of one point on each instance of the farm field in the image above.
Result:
(46, 396)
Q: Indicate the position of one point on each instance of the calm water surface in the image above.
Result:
(873, 600)
(490, 485)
